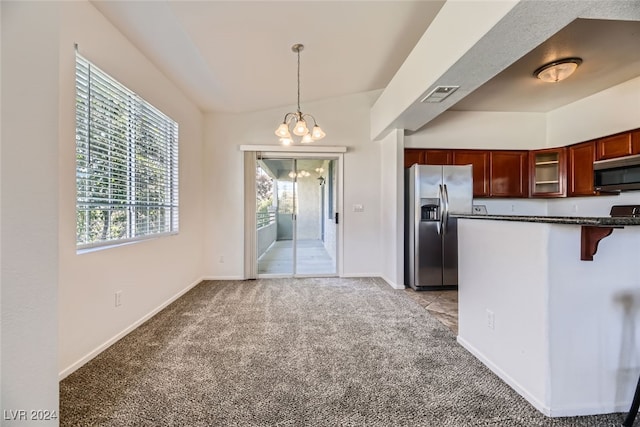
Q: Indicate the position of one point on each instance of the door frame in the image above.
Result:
(252, 153)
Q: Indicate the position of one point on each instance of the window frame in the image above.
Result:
(137, 150)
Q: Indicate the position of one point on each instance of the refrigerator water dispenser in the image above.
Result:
(429, 210)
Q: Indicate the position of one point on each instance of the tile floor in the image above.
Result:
(443, 305)
(311, 258)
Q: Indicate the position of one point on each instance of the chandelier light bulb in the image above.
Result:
(286, 140)
(283, 131)
(301, 128)
(317, 133)
(306, 139)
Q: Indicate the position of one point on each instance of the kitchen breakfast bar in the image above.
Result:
(552, 306)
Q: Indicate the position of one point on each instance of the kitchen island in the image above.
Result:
(561, 331)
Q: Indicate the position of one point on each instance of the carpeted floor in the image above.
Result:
(295, 352)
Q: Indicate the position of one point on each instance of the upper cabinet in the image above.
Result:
(438, 157)
(413, 156)
(547, 172)
(580, 169)
(620, 145)
(423, 156)
(554, 172)
(508, 174)
(479, 159)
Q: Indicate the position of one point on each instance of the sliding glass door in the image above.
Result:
(295, 216)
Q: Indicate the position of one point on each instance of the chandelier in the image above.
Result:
(297, 122)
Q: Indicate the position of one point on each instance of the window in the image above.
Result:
(126, 163)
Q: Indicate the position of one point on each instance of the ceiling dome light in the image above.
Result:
(556, 71)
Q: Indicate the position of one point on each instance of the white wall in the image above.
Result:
(482, 130)
(611, 111)
(594, 341)
(503, 268)
(565, 331)
(346, 122)
(392, 207)
(148, 273)
(29, 276)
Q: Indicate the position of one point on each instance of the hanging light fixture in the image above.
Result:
(556, 71)
(297, 122)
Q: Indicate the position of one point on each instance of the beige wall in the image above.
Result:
(29, 219)
(346, 122)
(482, 130)
(148, 273)
(613, 110)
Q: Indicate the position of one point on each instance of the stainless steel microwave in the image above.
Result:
(621, 174)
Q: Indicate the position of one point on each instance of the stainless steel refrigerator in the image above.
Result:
(432, 195)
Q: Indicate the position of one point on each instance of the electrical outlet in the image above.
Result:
(118, 298)
(491, 320)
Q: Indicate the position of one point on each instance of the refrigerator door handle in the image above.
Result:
(440, 209)
(445, 218)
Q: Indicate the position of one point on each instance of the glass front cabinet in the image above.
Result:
(548, 172)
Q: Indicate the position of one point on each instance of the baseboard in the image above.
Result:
(585, 410)
(357, 275)
(535, 402)
(559, 411)
(223, 278)
(69, 370)
(391, 283)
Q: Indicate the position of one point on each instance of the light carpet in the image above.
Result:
(295, 352)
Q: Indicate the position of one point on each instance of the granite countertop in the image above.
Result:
(577, 220)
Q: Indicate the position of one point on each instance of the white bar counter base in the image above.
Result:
(562, 332)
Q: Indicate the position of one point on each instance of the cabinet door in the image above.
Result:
(508, 174)
(547, 172)
(580, 170)
(480, 161)
(438, 157)
(635, 142)
(616, 146)
(412, 156)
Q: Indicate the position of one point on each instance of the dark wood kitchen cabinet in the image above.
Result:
(479, 159)
(438, 157)
(547, 172)
(423, 156)
(580, 159)
(412, 156)
(508, 174)
(620, 145)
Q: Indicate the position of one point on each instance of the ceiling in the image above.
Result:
(610, 50)
(235, 56)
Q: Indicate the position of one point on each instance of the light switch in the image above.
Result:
(358, 208)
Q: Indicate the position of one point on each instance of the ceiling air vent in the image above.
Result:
(439, 93)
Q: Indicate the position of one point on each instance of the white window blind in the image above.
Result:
(126, 163)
